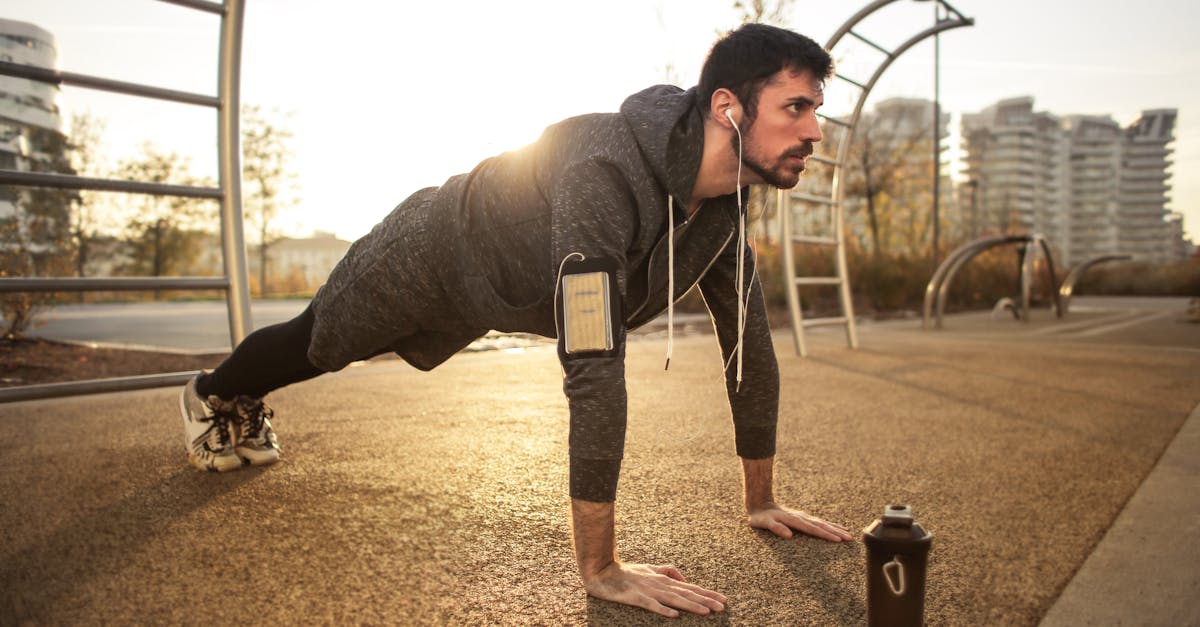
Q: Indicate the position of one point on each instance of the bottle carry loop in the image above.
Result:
(898, 567)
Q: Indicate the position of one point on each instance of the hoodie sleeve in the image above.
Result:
(756, 406)
(594, 215)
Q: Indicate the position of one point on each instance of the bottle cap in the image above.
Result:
(897, 516)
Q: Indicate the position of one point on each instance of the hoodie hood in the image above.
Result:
(669, 131)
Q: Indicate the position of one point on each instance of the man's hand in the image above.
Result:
(660, 589)
(764, 513)
(782, 521)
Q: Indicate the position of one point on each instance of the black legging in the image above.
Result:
(266, 360)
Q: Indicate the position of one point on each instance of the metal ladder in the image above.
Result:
(837, 240)
(836, 199)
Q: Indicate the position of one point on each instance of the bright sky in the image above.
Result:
(388, 97)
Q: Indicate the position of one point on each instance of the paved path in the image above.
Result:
(189, 327)
(433, 498)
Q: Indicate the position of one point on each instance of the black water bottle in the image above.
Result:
(897, 554)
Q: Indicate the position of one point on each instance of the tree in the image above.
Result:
(890, 158)
(268, 185)
(758, 11)
(85, 136)
(163, 233)
(36, 239)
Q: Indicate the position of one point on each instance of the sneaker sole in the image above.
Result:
(214, 466)
(262, 459)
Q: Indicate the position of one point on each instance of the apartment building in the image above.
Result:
(1087, 184)
(1015, 171)
(29, 123)
(1142, 217)
(1094, 175)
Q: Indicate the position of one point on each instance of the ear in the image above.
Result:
(724, 101)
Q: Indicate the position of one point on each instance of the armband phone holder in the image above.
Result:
(588, 308)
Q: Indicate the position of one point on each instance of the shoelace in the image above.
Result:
(221, 420)
(253, 412)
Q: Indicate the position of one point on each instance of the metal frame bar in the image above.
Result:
(113, 284)
(1037, 241)
(55, 77)
(94, 386)
(870, 43)
(233, 240)
(229, 193)
(850, 80)
(838, 194)
(199, 5)
(795, 313)
(943, 290)
(964, 253)
(938, 287)
(1067, 289)
(839, 188)
(67, 181)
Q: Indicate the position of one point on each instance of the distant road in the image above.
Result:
(203, 326)
(182, 326)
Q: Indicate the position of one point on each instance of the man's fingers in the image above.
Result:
(669, 571)
(814, 526)
(782, 522)
(675, 592)
(708, 601)
(659, 589)
(684, 600)
(658, 608)
(712, 594)
(780, 529)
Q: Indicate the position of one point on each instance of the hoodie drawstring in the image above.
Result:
(670, 279)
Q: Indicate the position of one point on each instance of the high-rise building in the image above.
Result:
(1083, 182)
(1015, 171)
(30, 123)
(1181, 248)
(1094, 170)
(1142, 215)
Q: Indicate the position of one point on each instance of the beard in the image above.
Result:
(780, 172)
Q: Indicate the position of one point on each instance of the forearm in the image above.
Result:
(595, 539)
(757, 482)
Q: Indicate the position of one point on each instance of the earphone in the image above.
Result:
(743, 297)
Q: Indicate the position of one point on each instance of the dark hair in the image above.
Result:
(743, 60)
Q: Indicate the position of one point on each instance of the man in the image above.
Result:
(593, 230)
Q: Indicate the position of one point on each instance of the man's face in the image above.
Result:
(780, 138)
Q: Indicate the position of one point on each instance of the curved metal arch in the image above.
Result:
(950, 265)
(957, 263)
(1067, 289)
(839, 190)
(944, 276)
(1027, 276)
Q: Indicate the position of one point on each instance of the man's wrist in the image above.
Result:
(594, 571)
(758, 479)
(595, 541)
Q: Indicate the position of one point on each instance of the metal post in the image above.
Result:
(229, 140)
(1027, 275)
(789, 261)
(937, 131)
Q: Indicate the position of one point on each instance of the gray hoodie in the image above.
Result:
(483, 252)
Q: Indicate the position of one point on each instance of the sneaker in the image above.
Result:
(256, 442)
(206, 431)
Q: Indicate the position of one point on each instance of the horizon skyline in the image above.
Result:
(452, 137)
